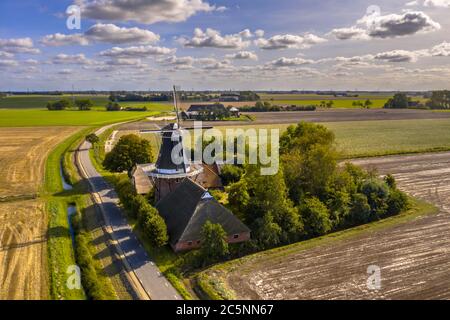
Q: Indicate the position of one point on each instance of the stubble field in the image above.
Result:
(23, 223)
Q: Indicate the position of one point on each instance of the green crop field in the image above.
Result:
(100, 101)
(40, 101)
(373, 138)
(34, 118)
(338, 103)
(293, 96)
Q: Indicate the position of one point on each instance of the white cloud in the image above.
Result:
(102, 33)
(4, 54)
(79, 59)
(430, 3)
(8, 63)
(290, 62)
(110, 33)
(137, 51)
(374, 25)
(144, 11)
(18, 45)
(259, 33)
(243, 55)
(59, 39)
(440, 50)
(397, 56)
(211, 38)
(287, 41)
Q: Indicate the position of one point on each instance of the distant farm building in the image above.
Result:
(230, 97)
(206, 112)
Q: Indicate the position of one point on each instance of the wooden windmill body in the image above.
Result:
(173, 164)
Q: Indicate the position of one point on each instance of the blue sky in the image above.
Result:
(220, 44)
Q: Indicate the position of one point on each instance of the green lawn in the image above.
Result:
(373, 138)
(34, 118)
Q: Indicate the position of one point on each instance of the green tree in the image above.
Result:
(238, 198)
(59, 105)
(92, 138)
(316, 217)
(231, 174)
(129, 151)
(399, 101)
(368, 104)
(154, 226)
(84, 104)
(359, 212)
(267, 232)
(439, 100)
(214, 244)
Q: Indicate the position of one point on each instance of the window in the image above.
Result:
(235, 236)
(189, 243)
(198, 241)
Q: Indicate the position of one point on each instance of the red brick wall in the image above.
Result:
(185, 246)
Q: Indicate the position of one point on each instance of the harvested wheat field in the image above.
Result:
(23, 248)
(414, 256)
(22, 157)
(23, 223)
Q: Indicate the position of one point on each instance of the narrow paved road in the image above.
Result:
(148, 274)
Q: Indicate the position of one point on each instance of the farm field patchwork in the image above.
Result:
(335, 266)
(373, 138)
(23, 223)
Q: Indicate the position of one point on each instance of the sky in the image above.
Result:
(224, 45)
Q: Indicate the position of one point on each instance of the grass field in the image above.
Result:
(297, 96)
(338, 103)
(37, 118)
(374, 138)
(100, 101)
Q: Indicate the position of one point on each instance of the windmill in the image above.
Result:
(173, 164)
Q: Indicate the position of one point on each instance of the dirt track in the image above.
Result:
(414, 257)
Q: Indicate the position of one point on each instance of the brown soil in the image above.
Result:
(414, 257)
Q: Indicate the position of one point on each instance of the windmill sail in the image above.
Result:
(175, 104)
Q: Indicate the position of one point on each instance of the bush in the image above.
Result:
(377, 193)
(92, 138)
(214, 244)
(113, 106)
(154, 226)
(359, 212)
(231, 174)
(397, 202)
(316, 217)
(59, 105)
(84, 104)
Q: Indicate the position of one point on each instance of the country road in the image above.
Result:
(153, 282)
(414, 257)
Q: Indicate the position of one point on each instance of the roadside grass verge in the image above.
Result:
(61, 253)
(212, 284)
(169, 263)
